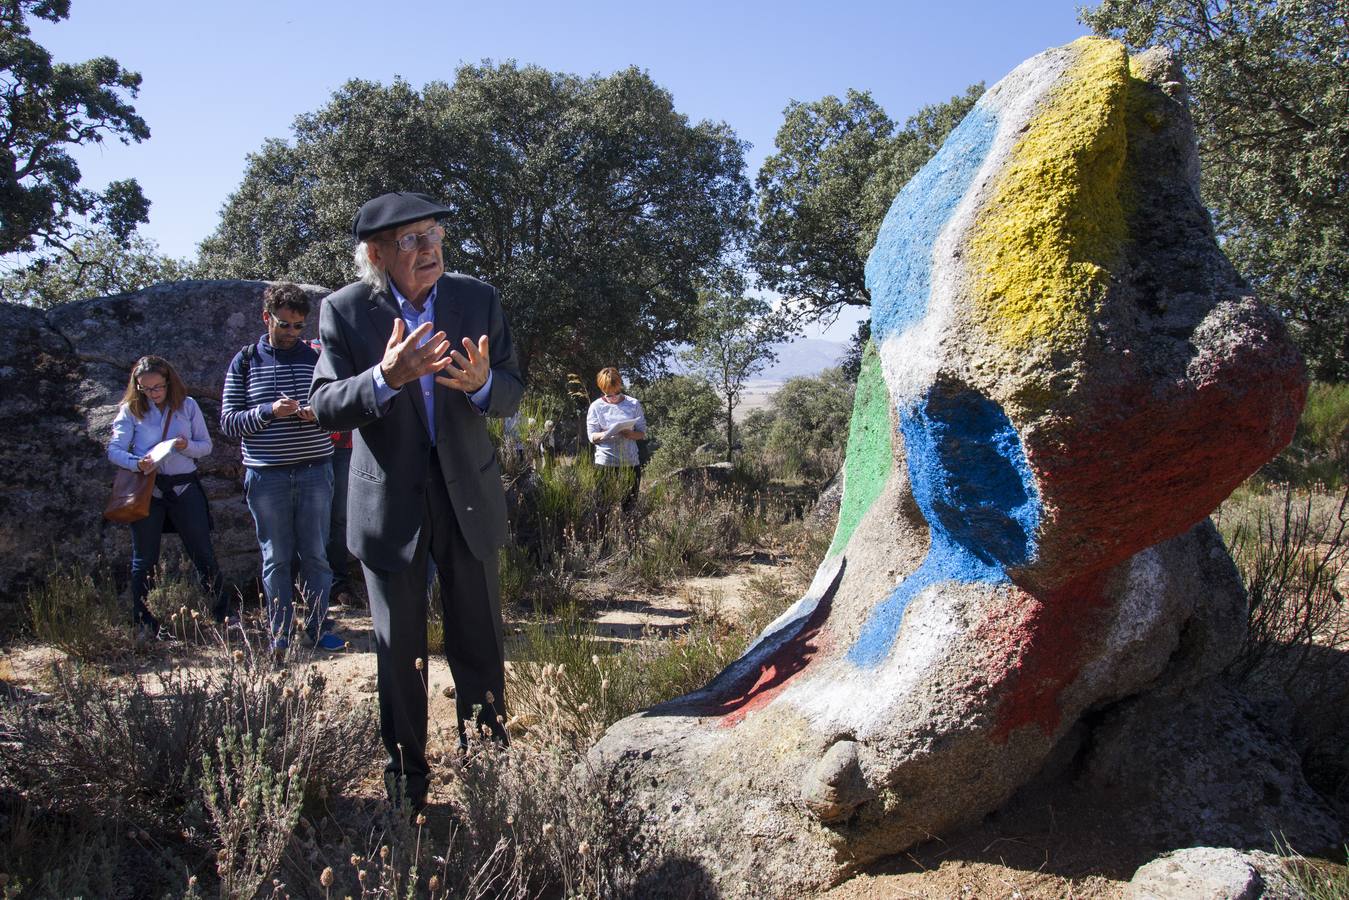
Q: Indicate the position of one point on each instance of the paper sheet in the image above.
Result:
(613, 430)
(160, 452)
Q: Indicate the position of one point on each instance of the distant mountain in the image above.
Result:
(803, 357)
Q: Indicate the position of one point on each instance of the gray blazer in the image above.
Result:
(391, 451)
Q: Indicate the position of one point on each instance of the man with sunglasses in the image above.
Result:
(413, 361)
(288, 475)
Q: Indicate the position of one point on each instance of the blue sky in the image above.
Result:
(220, 78)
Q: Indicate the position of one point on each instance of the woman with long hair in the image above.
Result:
(154, 393)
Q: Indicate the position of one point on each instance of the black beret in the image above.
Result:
(392, 210)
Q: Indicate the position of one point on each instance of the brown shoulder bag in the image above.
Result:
(131, 491)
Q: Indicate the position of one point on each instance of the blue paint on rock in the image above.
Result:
(974, 487)
(899, 270)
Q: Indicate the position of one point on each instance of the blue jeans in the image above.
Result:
(291, 506)
(188, 513)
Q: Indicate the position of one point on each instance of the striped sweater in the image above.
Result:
(245, 410)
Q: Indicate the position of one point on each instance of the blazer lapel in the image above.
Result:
(382, 313)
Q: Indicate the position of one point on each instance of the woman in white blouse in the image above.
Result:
(153, 393)
(615, 423)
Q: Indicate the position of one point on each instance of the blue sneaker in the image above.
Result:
(330, 642)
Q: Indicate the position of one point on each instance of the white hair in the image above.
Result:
(366, 270)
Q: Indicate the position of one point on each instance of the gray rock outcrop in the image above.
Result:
(62, 374)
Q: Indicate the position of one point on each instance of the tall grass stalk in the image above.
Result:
(78, 612)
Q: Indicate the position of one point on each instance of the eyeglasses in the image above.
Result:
(152, 389)
(426, 240)
(287, 326)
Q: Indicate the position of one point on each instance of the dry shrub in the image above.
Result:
(128, 756)
(253, 808)
(78, 612)
(1292, 549)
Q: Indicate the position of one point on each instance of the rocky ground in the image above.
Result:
(1044, 844)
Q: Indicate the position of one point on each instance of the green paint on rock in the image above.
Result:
(870, 450)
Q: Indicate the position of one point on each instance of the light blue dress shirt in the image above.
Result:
(427, 383)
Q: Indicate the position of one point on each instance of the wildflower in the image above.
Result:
(384, 853)
(355, 860)
(421, 663)
(491, 698)
(192, 882)
(583, 848)
(293, 770)
(326, 878)
(547, 828)
(434, 883)
(360, 876)
(421, 819)
(595, 660)
(239, 656)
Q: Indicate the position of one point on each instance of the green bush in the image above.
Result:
(804, 434)
(682, 408)
(1319, 453)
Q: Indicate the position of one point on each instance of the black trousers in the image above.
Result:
(471, 605)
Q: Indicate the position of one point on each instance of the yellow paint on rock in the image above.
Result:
(1043, 245)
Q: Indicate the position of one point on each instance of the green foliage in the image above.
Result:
(79, 613)
(804, 432)
(1318, 457)
(96, 265)
(681, 407)
(823, 194)
(591, 203)
(1321, 443)
(1271, 113)
(851, 364)
(48, 107)
(734, 341)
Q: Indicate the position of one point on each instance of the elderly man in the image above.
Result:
(424, 475)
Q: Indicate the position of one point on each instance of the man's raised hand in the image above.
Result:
(468, 370)
(405, 361)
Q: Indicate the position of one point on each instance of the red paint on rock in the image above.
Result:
(1039, 650)
(755, 689)
(1148, 465)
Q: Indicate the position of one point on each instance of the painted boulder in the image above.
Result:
(1067, 376)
